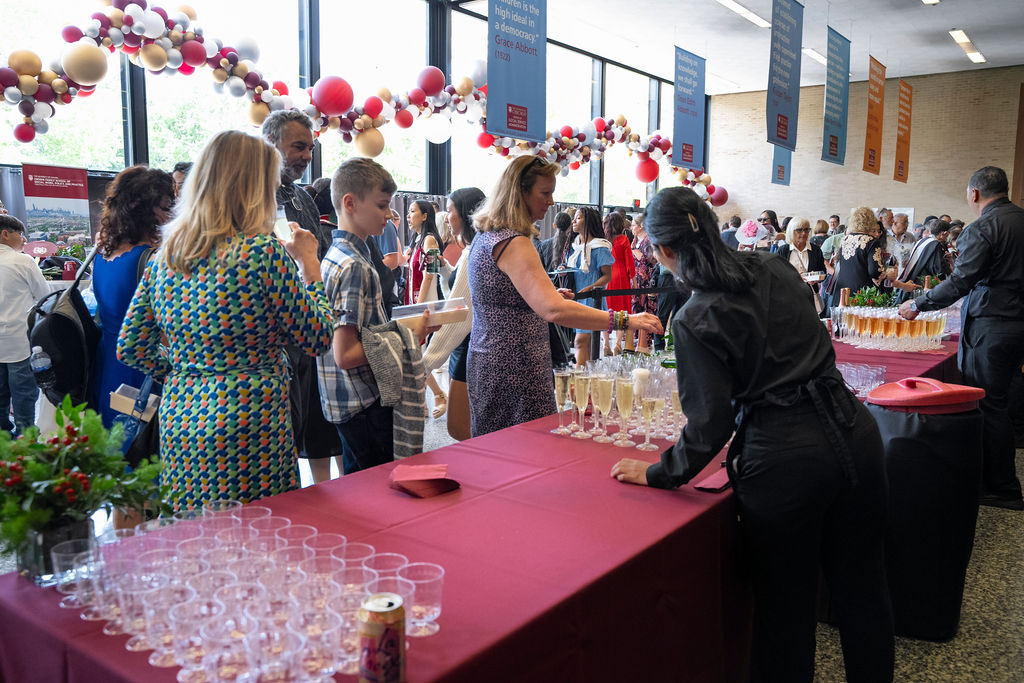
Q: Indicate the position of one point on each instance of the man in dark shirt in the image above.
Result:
(316, 439)
(729, 234)
(990, 272)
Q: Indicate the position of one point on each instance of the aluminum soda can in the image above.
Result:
(381, 626)
(434, 261)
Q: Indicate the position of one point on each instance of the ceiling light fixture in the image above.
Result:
(745, 13)
(815, 55)
(930, 2)
(973, 53)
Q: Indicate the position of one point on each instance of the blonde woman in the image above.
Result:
(509, 367)
(228, 298)
(859, 260)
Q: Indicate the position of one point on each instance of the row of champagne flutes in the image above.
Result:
(233, 592)
(885, 329)
(635, 389)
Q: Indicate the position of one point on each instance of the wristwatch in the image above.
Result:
(913, 305)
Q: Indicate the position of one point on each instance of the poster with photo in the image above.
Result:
(57, 205)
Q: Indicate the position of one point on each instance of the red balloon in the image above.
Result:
(280, 87)
(665, 144)
(332, 95)
(485, 140)
(647, 170)
(599, 124)
(431, 80)
(71, 34)
(66, 98)
(711, 189)
(373, 106)
(186, 69)
(403, 118)
(24, 133)
(719, 197)
(193, 52)
(643, 156)
(566, 131)
(417, 96)
(575, 165)
(504, 151)
(483, 89)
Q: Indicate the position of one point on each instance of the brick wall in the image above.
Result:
(961, 122)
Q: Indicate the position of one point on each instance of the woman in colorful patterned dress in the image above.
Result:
(646, 277)
(227, 299)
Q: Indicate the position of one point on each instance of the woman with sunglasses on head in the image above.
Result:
(509, 366)
(770, 222)
(806, 457)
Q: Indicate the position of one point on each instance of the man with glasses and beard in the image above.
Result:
(316, 439)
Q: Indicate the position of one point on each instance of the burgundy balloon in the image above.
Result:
(71, 34)
(403, 118)
(345, 123)
(8, 77)
(44, 94)
(193, 52)
(347, 137)
(431, 80)
(252, 79)
(128, 20)
(214, 61)
(161, 11)
(169, 24)
(417, 96)
(102, 18)
(132, 40)
(232, 57)
(352, 116)
(25, 107)
(450, 89)
(266, 86)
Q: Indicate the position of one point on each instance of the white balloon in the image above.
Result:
(506, 142)
(657, 154)
(235, 86)
(276, 104)
(12, 94)
(116, 37)
(139, 27)
(267, 96)
(136, 12)
(589, 131)
(247, 48)
(42, 127)
(309, 110)
(564, 172)
(300, 97)
(92, 31)
(437, 129)
(42, 111)
(690, 175)
(479, 74)
(164, 42)
(286, 101)
(403, 100)
(461, 107)
(179, 18)
(218, 87)
(174, 59)
(211, 48)
(388, 112)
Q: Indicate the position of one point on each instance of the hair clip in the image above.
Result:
(693, 222)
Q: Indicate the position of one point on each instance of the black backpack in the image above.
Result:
(60, 323)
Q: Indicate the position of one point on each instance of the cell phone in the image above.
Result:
(282, 229)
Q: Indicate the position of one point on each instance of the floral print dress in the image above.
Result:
(225, 427)
(646, 276)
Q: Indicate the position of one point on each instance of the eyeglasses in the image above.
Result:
(802, 230)
(764, 219)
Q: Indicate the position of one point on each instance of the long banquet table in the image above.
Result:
(554, 570)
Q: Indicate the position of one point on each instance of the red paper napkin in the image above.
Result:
(422, 481)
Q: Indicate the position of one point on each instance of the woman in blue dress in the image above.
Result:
(591, 257)
(137, 203)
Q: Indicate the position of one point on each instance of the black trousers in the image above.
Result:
(991, 352)
(368, 438)
(799, 515)
(315, 437)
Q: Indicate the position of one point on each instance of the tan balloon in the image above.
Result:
(190, 35)
(379, 121)
(175, 37)
(59, 85)
(705, 179)
(523, 145)
(384, 94)
(153, 57)
(370, 142)
(634, 138)
(257, 112)
(85, 64)
(367, 121)
(220, 75)
(106, 42)
(333, 123)
(188, 11)
(116, 17)
(620, 120)
(46, 76)
(464, 86)
(585, 151)
(358, 124)
(240, 70)
(225, 63)
(25, 62)
(28, 85)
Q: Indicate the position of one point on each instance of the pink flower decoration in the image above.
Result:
(750, 228)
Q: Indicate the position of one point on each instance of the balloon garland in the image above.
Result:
(172, 42)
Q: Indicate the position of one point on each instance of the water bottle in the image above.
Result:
(42, 368)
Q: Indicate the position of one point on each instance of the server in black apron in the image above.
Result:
(806, 458)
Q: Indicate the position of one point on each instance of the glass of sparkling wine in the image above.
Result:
(602, 391)
(641, 376)
(624, 402)
(562, 378)
(648, 405)
(581, 387)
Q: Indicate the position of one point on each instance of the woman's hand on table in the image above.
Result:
(630, 471)
(647, 322)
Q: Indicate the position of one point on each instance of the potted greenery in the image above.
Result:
(50, 487)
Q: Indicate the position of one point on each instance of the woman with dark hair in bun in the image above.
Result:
(806, 458)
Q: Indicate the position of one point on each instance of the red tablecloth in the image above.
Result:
(554, 571)
(938, 364)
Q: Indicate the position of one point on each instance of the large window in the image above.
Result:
(570, 84)
(379, 45)
(183, 112)
(667, 128)
(626, 93)
(86, 133)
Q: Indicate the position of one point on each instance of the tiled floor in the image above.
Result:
(989, 647)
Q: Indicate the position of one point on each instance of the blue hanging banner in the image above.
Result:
(517, 69)
(782, 162)
(837, 99)
(784, 72)
(688, 111)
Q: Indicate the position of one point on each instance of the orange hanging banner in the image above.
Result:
(876, 104)
(906, 101)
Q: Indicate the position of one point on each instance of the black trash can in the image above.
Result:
(932, 432)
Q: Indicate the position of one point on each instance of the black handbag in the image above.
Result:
(143, 437)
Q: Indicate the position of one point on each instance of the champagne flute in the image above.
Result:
(581, 387)
(603, 387)
(562, 377)
(648, 405)
(641, 377)
(624, 403)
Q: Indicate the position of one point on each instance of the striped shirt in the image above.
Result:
(354, 295)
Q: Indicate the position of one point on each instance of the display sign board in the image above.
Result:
(688, 111)
(56, 204)
(782, 162)
(517, 69)
(784, 73)
(837, 99)
(901, 171)
(876, 107)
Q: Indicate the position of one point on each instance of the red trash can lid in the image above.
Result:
(925, 395)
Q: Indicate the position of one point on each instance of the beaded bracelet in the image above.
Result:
(611, 320)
